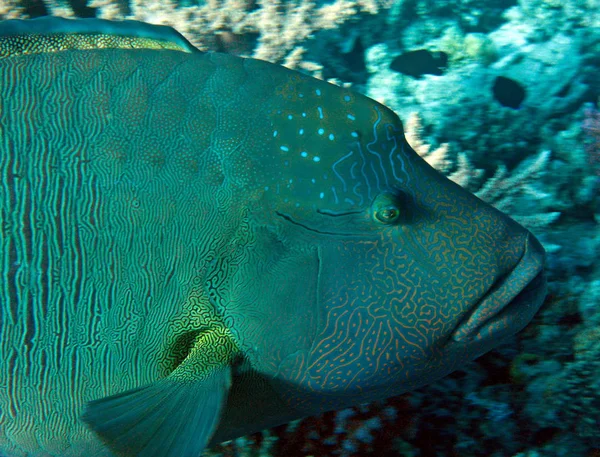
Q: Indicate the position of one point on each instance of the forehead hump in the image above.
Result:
(329, 145)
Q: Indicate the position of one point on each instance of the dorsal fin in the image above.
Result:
(54, 34)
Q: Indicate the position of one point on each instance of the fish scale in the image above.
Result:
(196, 246)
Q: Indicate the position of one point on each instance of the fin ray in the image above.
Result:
(169, 418)
(172, 417)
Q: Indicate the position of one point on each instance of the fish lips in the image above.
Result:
(511, 302)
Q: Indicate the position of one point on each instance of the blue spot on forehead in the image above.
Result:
(318, 92)
(290, 117)
(331, 137)
(354, 134)
(301, 131)
(321, 131)
(303, 114)
(284, 148)
(304, 154)
(274, 133)
(351, 117)
(346, 98)
(316, 158)
(321, 195)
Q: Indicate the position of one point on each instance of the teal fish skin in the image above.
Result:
(148, 195)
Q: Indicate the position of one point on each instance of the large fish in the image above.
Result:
(196, 246)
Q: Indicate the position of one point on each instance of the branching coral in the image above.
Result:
(271, 30)
(11, 9)
(438, 158)
(505, 190)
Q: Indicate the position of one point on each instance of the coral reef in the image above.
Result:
(265, 29)
(572, 393)
(511, 193)
(591, 126)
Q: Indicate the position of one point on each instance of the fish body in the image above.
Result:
(196, 246)
(420, 62)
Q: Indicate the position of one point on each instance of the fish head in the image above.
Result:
(412, 275)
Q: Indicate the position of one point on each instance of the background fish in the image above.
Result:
(196, 246)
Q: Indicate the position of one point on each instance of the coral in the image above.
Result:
(591, 126)
(558, 73)
(589, 305)
(11, 9)
(496, 411)
(362, 430)
(510, 192)
(259, 444)
(470, 47)
(573, 392)
(480, 48)
(374, 429)
(462, 108)
(558, 370)
(266, 29)
(465, 174)
(438, 157)
(550, 17)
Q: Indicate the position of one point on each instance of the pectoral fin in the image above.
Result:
(175, 416)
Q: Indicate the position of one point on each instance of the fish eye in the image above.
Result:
(386, 209)
(387, 215)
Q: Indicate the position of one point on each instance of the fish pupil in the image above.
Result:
(388, 214)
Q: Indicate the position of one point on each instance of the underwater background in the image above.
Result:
(503, 97)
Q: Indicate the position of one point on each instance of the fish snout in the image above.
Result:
(511, 301)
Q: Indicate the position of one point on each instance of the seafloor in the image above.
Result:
(532, 149)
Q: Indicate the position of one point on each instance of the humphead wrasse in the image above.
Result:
(196, 246)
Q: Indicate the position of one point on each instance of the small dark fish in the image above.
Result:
(508, 92)
(420, 62)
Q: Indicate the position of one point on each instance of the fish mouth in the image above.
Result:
(511, 302)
